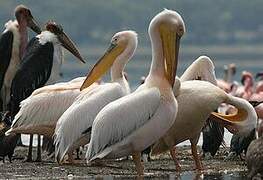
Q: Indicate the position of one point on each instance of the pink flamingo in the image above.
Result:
(225, 83)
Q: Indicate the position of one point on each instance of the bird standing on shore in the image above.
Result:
(74, 126)
(132, 123)
(13, 42)
(39, 66)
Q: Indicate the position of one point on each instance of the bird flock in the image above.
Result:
(108, 118)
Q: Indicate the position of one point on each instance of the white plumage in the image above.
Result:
(40, 111)
(132, 123)
(116, 126)
(74, 127)
(196, 101)
(79, 117)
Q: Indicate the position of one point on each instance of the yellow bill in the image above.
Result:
(170, 43)
(230, 121)
(105, 62)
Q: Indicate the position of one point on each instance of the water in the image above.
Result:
(139, 66)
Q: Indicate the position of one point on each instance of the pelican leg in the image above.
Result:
(38, 148)
(78, 152)
(174, 156)
(29, 155)
(136, 156)
(196, 157)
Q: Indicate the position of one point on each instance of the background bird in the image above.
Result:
(39, 66)
(13, 42)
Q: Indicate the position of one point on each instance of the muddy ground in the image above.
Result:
(161, 167)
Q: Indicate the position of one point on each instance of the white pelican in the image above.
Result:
(201, 69)
(196, 101)
(39, 112)
(130, 124)
(13, 42)
(74, 126)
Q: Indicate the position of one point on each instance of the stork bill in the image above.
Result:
(66, 42)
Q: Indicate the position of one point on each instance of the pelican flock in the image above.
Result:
(107, 118)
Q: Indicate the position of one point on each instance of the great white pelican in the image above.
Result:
(132, 123)
(196, 101)
(74, 126)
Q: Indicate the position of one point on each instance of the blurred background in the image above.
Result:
(228, 31)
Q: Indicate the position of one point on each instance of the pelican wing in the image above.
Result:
(44, 108)
(120, 118)
(80, 115)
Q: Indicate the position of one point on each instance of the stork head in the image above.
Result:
(66, 42)
(24, 16)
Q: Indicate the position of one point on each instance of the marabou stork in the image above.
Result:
(13, 43)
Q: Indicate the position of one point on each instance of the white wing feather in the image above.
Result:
(45, 106)
(81, 114)
(120, 118)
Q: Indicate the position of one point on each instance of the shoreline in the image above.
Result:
(160, 166)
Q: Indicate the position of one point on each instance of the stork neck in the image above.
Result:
(23, 37)
(157, 66)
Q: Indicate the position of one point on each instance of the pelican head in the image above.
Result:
(23, 15)
(170, 27)
(122, 47)
(63, 39)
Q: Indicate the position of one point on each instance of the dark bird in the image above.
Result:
(213, 137)
(254, 158)
(39, 66)
(239, 143)
(7, 143)
(13, 43)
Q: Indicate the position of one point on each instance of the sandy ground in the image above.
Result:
(161, 167)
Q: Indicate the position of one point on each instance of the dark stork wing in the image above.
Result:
(33, 72)
(6, 44)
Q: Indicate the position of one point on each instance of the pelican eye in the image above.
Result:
(198, 78)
